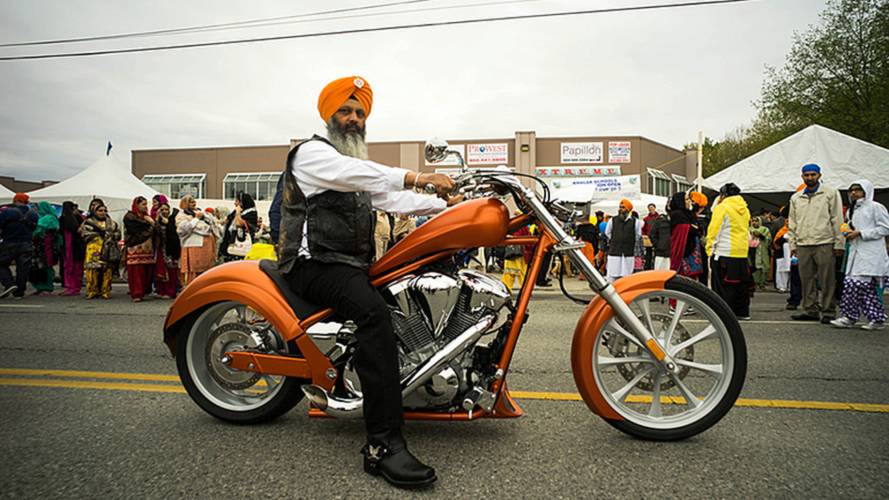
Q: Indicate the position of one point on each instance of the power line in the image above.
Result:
(208, 27)
(371, 30)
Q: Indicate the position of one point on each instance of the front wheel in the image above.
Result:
(702, 334)
(232, 395)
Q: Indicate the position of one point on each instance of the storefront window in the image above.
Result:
(259, 185)
(682, 184)
(660, 183)
(177, 186)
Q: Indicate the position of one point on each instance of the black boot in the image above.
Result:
(388, 456)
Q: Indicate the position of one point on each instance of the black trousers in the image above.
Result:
(543, 277)
(20, 253)
(348, 291)
(796, 287)
(731, 280)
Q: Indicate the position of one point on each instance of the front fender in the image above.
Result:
(593, 319)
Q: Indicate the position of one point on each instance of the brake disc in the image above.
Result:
(226, 338)
(621, 347)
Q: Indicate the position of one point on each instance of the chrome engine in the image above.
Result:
(429, 311)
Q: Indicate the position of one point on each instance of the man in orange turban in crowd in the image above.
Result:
(326, 245)
(17, 223)
(622, 232)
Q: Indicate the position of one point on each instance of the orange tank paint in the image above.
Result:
(474, 223)
(593, 319)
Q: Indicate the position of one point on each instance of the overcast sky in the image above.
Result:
(663, 74)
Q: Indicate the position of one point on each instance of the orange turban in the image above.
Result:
(339, 91)
(699, 199)
(625, 203)
(21, 198)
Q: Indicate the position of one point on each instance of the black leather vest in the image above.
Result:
(339, 225)
(623, 237)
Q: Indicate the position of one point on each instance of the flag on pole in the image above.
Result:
(108, 151)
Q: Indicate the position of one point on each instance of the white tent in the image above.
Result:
(108, 178)
(843, 160)
(5, 194)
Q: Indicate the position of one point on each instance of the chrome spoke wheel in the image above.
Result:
(639, 389)
(228, 327)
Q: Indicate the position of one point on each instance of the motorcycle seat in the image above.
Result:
(301, 307)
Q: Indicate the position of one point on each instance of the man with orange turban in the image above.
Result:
(326, 245)
(17, 223)
(622, 232)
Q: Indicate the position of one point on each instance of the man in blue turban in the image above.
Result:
(813, 225)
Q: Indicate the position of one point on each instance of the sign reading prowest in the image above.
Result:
(497, 153)
(619, 152)
(581, 152)
(579, 171)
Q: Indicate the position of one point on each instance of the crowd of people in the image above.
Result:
(819, 250)
(158, 248)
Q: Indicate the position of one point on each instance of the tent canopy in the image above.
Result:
(776, 169)
(107, 178)
(5, 194)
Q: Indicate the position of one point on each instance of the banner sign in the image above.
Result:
(619, 152)
(581, 152)
(580, 171)
(451, 160)
(496, 154)
(585, 189)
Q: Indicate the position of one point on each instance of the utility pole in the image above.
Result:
(700, 161)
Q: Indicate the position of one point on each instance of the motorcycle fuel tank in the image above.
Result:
(471, 224)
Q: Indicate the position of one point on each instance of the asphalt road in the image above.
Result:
(80, 442)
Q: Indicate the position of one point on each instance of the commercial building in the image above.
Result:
(220, 172)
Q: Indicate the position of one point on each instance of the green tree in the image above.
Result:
(836, 75)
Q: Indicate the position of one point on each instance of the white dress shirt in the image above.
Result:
(318, 167)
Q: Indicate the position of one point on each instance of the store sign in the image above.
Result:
(585, 189)
(584, 171)
(581, 152)
(451, 160)
(619, 152)
(496, 154)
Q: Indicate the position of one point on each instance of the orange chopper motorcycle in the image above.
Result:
(248, 349)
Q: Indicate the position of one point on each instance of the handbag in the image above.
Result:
(110, 252)
(240, 248)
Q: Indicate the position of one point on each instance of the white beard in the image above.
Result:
(348, 143)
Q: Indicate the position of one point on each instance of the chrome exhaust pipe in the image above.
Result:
(350, 407)
(336, 407)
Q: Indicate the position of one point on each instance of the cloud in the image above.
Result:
(662, 74)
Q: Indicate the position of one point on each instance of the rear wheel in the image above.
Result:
(228, 394)
(702, 334)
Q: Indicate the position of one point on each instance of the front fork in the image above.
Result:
(566, 244)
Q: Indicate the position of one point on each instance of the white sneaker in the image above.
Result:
(843, 322)
(873, 326)
(5, 293)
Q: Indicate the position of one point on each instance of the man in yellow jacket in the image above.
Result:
(727, 248)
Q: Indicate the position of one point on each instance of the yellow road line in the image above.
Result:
(89, 384)
(151, 377)
(534, 395)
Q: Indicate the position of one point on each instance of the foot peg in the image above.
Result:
(478, 397)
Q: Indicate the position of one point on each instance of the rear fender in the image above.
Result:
(246, 283)
(593, 319)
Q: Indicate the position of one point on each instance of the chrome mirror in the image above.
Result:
(436, 150)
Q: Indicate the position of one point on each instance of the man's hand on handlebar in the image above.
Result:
(442, 183)
(453, 200)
